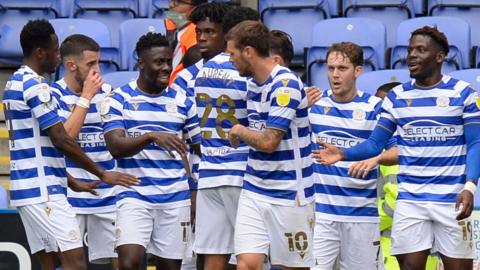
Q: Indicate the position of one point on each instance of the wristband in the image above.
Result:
(470, 186)
(83, 102)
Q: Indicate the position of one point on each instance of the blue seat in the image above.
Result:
(120, 78)
(369, 82)
(109, 56)
(367, 33)
(456, 30)
(295, 17)
(465, 9)
(158, 9)
(130, 32)
(390, 12)
(111, 12)
(469, 75)
(14, 14)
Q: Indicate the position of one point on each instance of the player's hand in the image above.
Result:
(81, 186)
(361, 169)
(233, 136)
(329, 155)
(121, 179)
(92, 84)
(314, 94)
(170, 142)
(193, 208)
(464, 204)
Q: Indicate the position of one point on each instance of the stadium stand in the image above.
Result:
(469, 75)
(368, 33)
(457, 31)
(14, 15)
(120, 78)
(369, 82)
(294, 17)
(109, 55)
(158, 8)
(390, 12)
(130, 32)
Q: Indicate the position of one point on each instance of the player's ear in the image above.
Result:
(70, 65)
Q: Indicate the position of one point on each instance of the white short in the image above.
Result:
(284, 233)
(163, 232)
(215, 220)
(356, 245)
(51, 226)
(100, 236)
(422, 226)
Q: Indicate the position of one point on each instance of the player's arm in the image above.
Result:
(121, 146)
(266, 141)
(362, 168)
(69, 147)
(91, 86)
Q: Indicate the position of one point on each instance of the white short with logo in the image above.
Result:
(284, 233)
(215, 220)
(163, 232)
(356, 245)
(100, 229)
(421, 225)
(51, 226)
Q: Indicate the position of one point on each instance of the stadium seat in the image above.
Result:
(469, 75)
(390, 12)
(456, 30)
(130, 32)
(295, 17)
(120, 78)
(14, 14)
(465, 9)
(158, 9)
(109, 56)
(111, 12)
(369, 82)
(367, 33)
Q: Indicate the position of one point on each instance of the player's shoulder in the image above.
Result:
(285, 78)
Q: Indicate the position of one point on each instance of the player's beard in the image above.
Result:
(79, 79)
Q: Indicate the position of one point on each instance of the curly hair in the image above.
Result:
(150, 40)
(36, 34)
(437, 36)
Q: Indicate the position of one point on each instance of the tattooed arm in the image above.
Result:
(265, 141)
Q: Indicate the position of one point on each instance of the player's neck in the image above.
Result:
(429, 82)
(72, 84)
(34, 65)
(262, 68)
(148, 89)
(345, 97)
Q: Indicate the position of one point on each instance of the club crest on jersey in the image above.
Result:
(135, 106)
(171, 107)
(359, 115)
(283, 97)
(38, 79)
(44, 95)
(409, 102)
(105, 108)
(442, 101)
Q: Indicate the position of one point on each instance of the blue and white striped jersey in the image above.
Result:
(163, 178)
(338, 196)
(431, 142)
(285, 176)
(185, 79)
(91, 140)
(37, 169)
(221, 103)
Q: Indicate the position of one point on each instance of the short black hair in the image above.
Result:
(281, 44)
(76, 44)
(213, 11)
(437, 36)
(198, 2)
(150, 40)
(237, 15)
(36, 34)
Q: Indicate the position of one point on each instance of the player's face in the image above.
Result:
(238, 59)
(210, 38)
(88, 61)
(342, 74)
(51, 55)
(156, 66)
(423, 58)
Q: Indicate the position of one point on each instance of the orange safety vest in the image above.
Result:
(186, 40)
